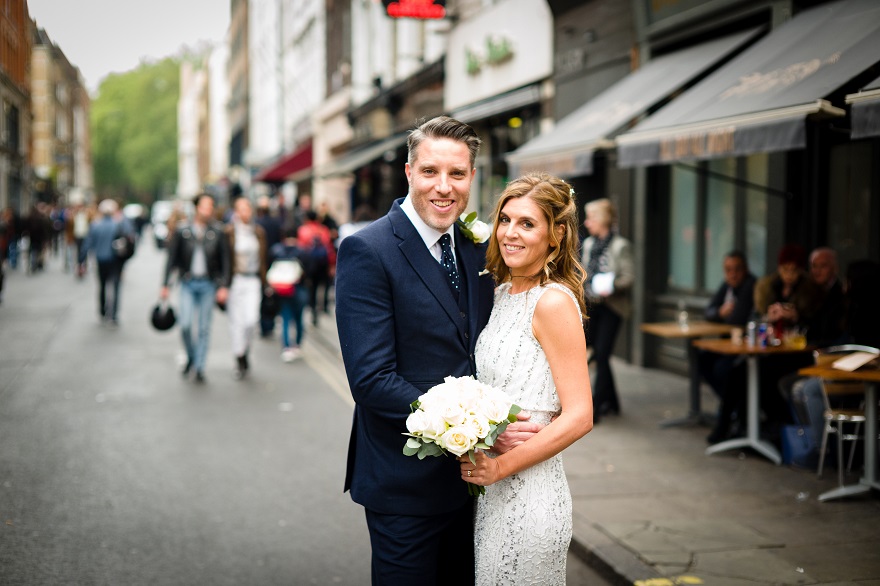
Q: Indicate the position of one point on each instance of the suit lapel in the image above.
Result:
(425, 265)
(470, 261)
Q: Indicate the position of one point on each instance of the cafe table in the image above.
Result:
(870, 376)
(690, 331)
(752, 354)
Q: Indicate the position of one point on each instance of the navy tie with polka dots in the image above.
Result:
(448, 262)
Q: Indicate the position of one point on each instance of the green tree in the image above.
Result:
(134, 132)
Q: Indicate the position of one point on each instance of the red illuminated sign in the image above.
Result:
(424, 9)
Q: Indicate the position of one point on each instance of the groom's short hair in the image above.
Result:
(443, 127)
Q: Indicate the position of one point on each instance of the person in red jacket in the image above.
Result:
(319, 260)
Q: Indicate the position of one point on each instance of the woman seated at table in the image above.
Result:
(787, 298)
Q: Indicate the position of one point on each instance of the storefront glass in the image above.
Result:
(757, 173)
(720, 231)
(682, 228)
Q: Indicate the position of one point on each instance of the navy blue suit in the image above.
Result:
(402, 331)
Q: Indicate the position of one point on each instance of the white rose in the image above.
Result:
(480, 230)
(458, 439)
(452, 412)
(417, 422)
(497, 410)
(471, 400)
(479, 424)
(435, 426)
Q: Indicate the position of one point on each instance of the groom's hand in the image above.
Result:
(516, 433)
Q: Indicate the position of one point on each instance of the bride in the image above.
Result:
(534, 349)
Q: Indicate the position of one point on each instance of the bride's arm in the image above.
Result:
(558, 328)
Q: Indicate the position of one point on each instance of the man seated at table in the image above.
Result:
(732, 304)
(826, 328)
(860, 325)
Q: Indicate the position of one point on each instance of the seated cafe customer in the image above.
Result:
(826, 327)
(861, 325)
(732, 303)
(786, 299)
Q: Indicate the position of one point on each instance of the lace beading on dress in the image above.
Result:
(523, 523)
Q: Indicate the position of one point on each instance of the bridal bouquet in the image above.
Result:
(458, 416)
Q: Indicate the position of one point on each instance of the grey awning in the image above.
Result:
(506, 102)
(567, 150)
(760, 100)
(356, 159)
(865, 111)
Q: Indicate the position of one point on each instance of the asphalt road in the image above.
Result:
(115, 470)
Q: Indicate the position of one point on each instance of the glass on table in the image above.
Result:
(794, 338)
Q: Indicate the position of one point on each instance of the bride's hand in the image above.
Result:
(484, 473)
(516, 433)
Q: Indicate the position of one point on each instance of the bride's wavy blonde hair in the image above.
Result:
(555, 198)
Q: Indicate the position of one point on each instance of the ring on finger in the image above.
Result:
(470, 473)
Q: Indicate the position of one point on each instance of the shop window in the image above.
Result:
(756, 213)
(715, 207)
(852, 219)
(720, 231)
(682, 228)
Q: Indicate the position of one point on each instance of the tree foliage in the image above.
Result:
(134, 132)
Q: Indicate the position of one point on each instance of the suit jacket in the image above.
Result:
(743, 307)
(402, 331)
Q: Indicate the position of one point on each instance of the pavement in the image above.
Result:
(652, 509)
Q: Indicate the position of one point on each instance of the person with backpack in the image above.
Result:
(319, 260)
(100, 241)
(287, 284)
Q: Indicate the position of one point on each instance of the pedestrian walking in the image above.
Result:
(292, 299)
(608, 258)
(39, 233)
(99, 242)
(199, 255)
(6, 231)
(247, 244)
(13, 235)
(78, 228)
(270, 220)
(320, 260)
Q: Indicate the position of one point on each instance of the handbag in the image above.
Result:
(799, 446)
(123, 247)
(283, 276)
(162, 317)
(270, 306)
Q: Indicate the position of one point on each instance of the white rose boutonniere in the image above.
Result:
(473, 228)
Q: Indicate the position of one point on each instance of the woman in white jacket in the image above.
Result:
(608, 259)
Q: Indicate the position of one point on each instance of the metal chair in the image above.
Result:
(835, 418)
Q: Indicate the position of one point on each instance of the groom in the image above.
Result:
(403, 327)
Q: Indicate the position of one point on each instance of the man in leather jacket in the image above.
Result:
(199, 253)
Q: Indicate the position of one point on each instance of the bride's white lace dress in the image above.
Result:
(522, 524)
